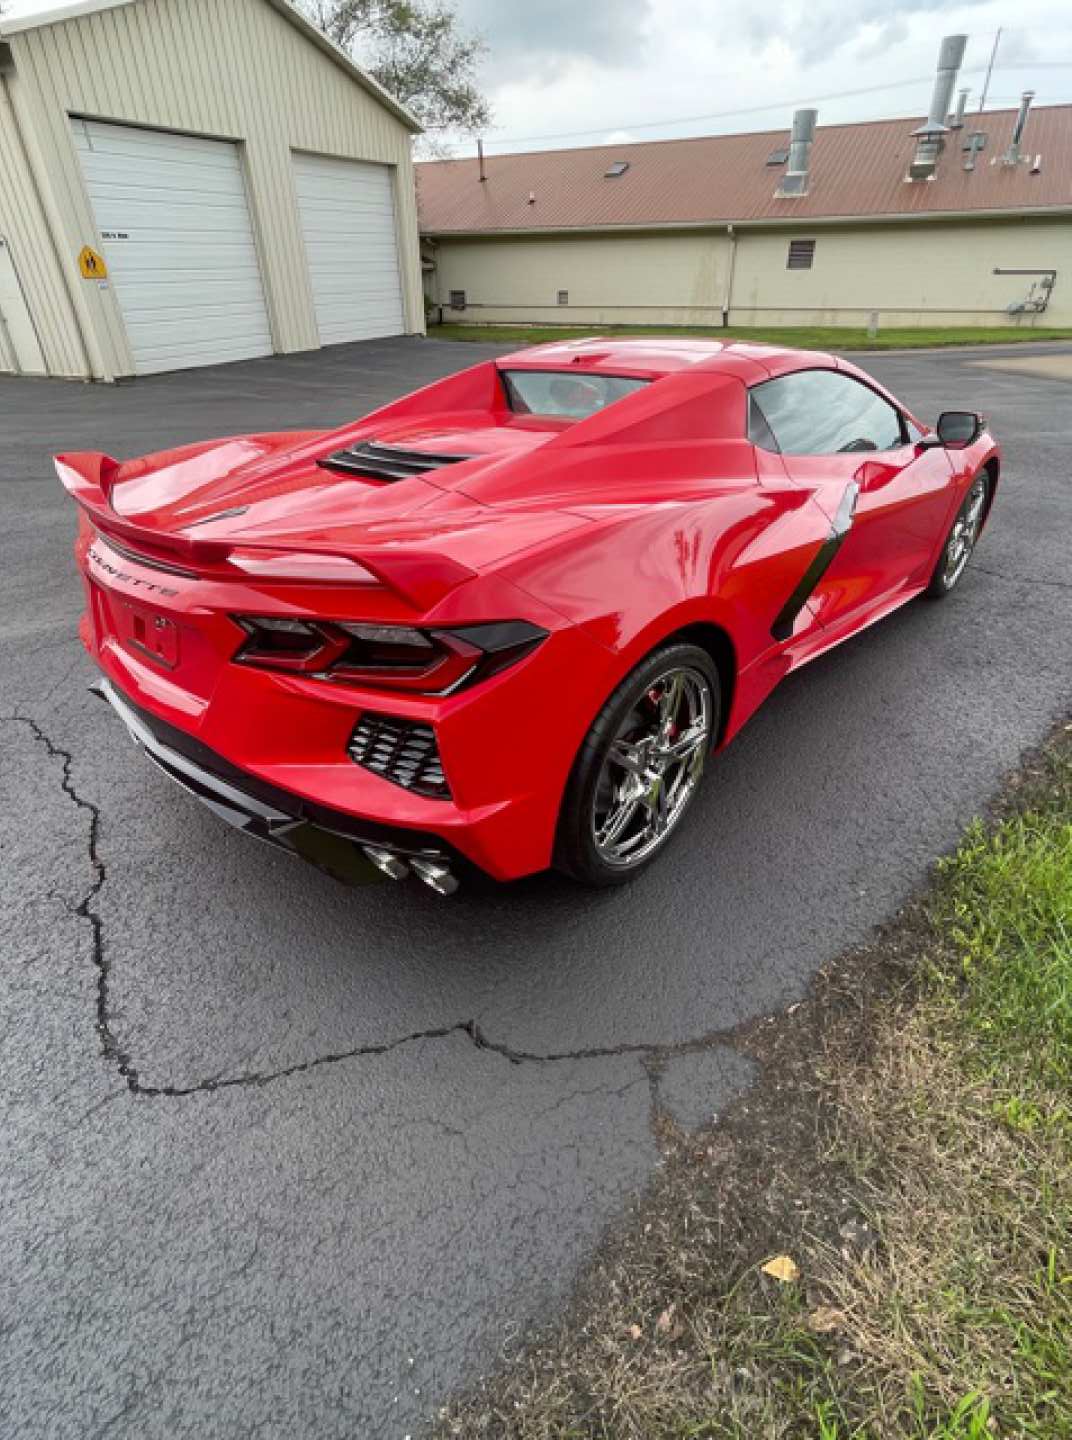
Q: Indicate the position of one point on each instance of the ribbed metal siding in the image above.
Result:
(23, 225)
(232, 69)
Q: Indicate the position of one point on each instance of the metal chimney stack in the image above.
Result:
(956, 121)
(1012, 154)
(795, 179)
(929, 134)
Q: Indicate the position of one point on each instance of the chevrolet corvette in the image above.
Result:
(503, 622)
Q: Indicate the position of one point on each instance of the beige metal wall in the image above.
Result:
(912, 274)
(30, 242)
(924, 274)
(231, 69)
(630, 279)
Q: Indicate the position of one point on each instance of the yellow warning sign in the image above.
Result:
(92, 265)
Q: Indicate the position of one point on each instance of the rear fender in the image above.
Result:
(731, 562)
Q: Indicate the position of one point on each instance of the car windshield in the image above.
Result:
(564, 392)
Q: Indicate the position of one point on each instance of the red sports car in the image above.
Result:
(504, 620)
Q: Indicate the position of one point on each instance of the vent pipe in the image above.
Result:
(956, 120)
(950, 55)
(795, 179)
(480, 161)
(929, 134)
(1012, 154)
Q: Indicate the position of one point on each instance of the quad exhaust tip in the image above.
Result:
(434, 873)
(392, 865)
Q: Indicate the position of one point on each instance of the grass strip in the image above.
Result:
(796, 337)
(909, 1149)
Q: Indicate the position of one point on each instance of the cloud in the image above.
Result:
(575, 71)
(540, 35)
(819, 31)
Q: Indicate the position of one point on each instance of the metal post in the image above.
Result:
(990, 69)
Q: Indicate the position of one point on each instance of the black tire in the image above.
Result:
(951, 566)
(576, 851)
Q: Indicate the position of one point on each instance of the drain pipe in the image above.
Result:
(727, 299)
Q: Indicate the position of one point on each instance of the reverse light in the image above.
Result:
(386, 657)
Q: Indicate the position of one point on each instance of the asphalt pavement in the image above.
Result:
(280, 1158)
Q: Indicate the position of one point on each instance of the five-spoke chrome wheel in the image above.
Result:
(652, 766)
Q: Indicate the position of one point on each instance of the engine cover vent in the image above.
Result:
(386, 462)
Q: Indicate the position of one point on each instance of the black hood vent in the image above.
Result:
(386, 462)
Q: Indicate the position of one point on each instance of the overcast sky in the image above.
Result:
(628, 69)
(589, 71)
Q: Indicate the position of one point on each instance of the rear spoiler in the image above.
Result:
(420, 579)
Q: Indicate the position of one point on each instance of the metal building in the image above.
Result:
(184, 182)
(961, 219)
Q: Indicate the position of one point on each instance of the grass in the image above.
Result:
(910, 1147)
(798, 337)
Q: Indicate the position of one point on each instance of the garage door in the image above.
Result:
(348, 219)
(171, 211)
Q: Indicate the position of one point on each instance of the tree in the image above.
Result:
(416, 50)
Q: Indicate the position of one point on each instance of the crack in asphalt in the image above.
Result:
(650, 1055)
(1022, 579)
(85, 909)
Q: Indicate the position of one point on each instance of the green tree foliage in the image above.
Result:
(417, 51)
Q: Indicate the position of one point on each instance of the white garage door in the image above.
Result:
(172, 214)
(348, 219)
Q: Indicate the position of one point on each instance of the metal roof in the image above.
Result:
(856, 171)
(74, 10)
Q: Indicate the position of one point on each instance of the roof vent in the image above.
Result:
(1012, 154)
(615, 168)
(975, 142)
(956, 120)
(795, 180)
(929, 134)
(777, 157)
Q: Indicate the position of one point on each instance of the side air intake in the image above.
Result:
(386, 462)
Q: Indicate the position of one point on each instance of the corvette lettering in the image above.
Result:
(124, 577)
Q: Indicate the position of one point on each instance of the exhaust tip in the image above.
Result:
(436, 875)
(386, 862)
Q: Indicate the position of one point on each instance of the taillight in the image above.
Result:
(386, 657)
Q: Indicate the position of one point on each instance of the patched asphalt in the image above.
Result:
(283, 1158)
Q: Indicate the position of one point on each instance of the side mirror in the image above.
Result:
(959, 428)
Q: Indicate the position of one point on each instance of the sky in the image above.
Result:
(588, 72)
(631, 69)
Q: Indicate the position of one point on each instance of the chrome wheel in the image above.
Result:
(965, 532)
(652, 767)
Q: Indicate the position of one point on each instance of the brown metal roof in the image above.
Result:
(855, 171)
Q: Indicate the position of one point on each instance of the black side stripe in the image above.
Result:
(805, 588)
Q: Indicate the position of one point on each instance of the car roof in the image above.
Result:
(656, 355)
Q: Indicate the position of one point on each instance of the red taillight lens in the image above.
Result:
(386, 657)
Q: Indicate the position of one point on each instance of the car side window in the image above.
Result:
(759, 432)
(821, 412)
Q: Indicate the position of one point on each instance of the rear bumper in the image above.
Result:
(264, 811)
(270, 751)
